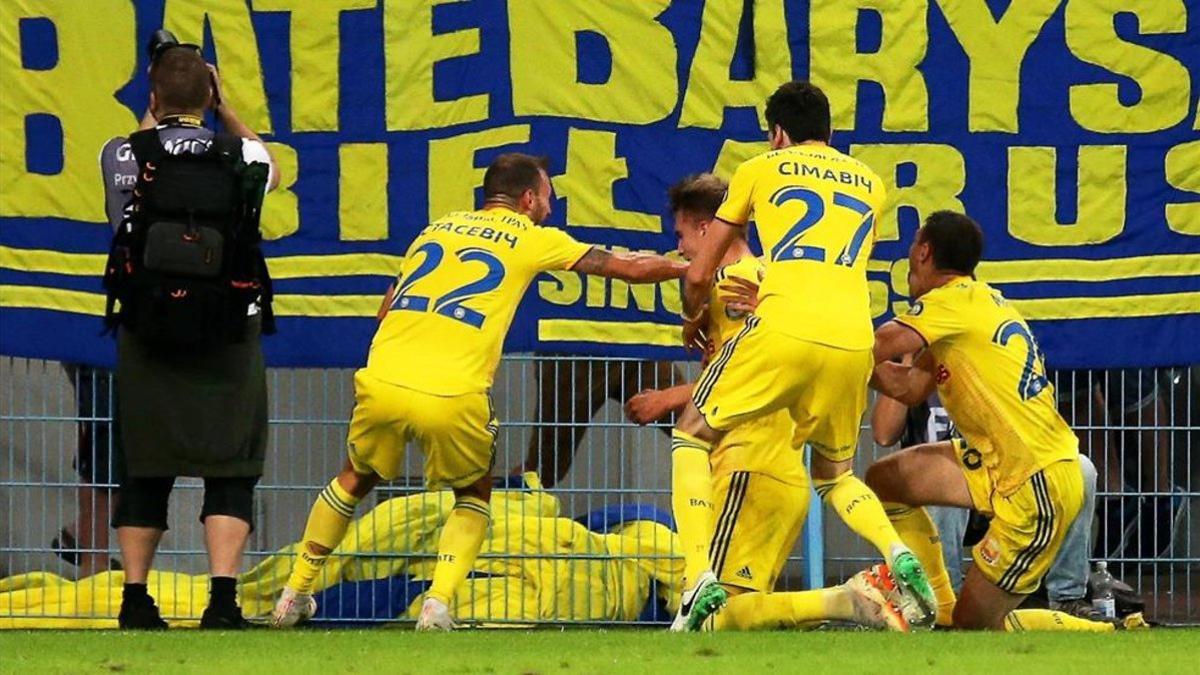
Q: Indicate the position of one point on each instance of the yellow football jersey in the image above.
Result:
(991, 378)
(458, 289)
(815, 209)
(762, 445)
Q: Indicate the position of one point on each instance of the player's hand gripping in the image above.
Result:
(740, 295)
(695, 332)
(647, 406)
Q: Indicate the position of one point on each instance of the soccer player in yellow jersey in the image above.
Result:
(760, 485)
(807, 349)
(431, 365)
(1018, 462)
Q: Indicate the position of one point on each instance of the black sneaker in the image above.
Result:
(140, 615)
(1079, 607)
(223, 618)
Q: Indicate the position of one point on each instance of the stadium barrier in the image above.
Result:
(595, 547)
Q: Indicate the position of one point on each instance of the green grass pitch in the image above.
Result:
(620, 651)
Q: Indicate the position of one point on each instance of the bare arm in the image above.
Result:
(638, 268)
(909, 385)
(889, 416)
(887, 420)
(654, 404)
(700, 274)
(894, 339)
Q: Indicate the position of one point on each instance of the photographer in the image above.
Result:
(189, 296)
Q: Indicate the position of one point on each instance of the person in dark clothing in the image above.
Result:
(186, 412)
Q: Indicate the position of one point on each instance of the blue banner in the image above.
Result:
(1069, 130)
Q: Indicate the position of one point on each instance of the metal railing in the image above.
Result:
(561, 417)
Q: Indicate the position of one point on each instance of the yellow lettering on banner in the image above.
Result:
(642, 294)
(900, 286)
(879, 291)
(281, 208)
(838, 68)
(453, 175)
(363, 192)
(941, 177)
(1032, 199)
(880, 294)
(592, 168)
(733, 153)
(672, 296)
(996, 50)
(411, 49)
(595, 290)
(1183, 173)
(1163, 82)
(710, 91)
(96, 46)
(236, 49)
(315, 44)
(642, 87)
(563, 288)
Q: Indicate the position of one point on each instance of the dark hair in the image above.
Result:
(699, 194)
(181, 80)
(801, 109)
(512, 173)
(957, 241)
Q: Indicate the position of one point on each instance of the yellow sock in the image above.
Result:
(1022, 620)
(692, 501)
(462, 536)
(327, 522)
(921, 537)
(766, 611)
(858, 507)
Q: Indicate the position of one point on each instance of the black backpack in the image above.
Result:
(185, 264)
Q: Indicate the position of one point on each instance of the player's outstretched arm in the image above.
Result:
(652, 405)
(638, 268)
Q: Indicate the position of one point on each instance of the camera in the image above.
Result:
(160, 41)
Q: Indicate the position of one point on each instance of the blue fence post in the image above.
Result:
(814, 540)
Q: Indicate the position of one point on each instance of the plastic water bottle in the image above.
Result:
(1103, 600)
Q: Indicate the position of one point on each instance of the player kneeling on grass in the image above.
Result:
(806, 350)
(1017, 462)
(431, 366)
(759, 482)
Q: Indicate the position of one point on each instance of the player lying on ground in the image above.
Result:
(927, 422)
(807, 349)
(431, 365)
(1018, 462)
(760, 485)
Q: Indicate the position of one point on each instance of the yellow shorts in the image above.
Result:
(456, 434)
(760, 519)
(1028, 526)
(761, 370)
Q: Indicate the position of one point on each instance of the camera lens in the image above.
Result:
(159, 41)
